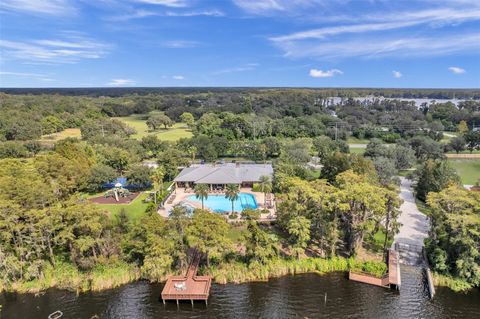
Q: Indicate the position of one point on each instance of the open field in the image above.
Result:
(138, 122)
(354, 140)
(467, 169)
(453, 154)
(55, 137)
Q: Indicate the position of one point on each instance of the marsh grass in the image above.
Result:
(238, 272)
(67, 276)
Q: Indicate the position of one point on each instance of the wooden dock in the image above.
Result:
(394, 269)
(390, 280)
(189, 287)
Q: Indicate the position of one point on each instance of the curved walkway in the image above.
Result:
(414, 224)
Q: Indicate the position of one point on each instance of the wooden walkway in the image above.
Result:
(394, 269)
(189, 287)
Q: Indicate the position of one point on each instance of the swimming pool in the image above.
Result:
(221, 204)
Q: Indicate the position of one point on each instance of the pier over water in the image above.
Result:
(189, 287)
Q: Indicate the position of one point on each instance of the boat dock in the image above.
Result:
(390, 280)
(189, 287)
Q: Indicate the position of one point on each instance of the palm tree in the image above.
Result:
(201, 192)
(157, 178)
(266, 186)
(231, 193)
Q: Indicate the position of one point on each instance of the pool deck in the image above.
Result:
(180, 195)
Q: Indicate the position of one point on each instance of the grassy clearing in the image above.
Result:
(354, 140)
(357, 150)
(138, 122)
(135, 210)
(467, 169)
(55, 137)
(466, 152)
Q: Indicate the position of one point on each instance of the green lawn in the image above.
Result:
(465, 152)
(354, 140)
(357, 150)
(134, 210)
(467, 169)
(138, 122)
(55, 137)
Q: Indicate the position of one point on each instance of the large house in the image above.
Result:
(218, 175)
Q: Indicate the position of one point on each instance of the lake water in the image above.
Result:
(221, 204)
(418, 102)
(300, 296)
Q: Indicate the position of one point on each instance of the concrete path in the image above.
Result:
(415, 224)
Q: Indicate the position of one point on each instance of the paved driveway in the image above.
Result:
(415, 224)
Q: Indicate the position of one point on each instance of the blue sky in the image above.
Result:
(314, 43)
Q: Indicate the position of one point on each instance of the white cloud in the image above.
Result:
(259, 6)
(178, 77)
(167, 3)
(243, 68)
(30, 76)
(8, 73)
(397, 74)
(457, 70)
(324, 74)
(385, 31)
(180, 44)
(434, 45)
(39, 7)
(121, 82)
(329, 31)
(70, 49)
(285, 7)
(137, 14)
(397, 21)
(208, 13)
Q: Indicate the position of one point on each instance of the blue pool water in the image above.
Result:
(221, 204)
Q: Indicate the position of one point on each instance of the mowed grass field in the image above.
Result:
(467, 169)
(138, 122)
(55, 137)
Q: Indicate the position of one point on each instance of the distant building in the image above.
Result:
(218, 175)
(150, 164)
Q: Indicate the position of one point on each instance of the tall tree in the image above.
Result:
(208, 233)
(299, 230)
(188, 119)
(266, 187)
(157, 177)
(259, 246)
(201, 192)
(357, 202)
(231, 193)
(433, 176)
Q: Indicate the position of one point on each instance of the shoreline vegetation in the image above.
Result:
(455, 284)
(113, 275)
